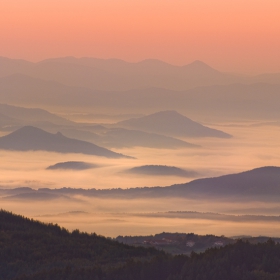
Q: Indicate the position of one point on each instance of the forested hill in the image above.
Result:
(30, 247)
(33, 250)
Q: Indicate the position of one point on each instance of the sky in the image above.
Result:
(236, 36)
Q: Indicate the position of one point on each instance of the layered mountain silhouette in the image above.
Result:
(13, 117)
(36, 196)
(21, 115)
(23, 90)
(6, 120)
(172, 123)
(260, 184)
(120, 137)
(257, 183)
(72, 165)
(238, 100)
(115, 74)
(117, 137)
(30, 138)
(161, 170)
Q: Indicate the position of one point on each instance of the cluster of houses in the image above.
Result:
(163, 241)
(217, 243)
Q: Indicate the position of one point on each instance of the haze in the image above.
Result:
(242, 36)
(128, 117)
(251, 146)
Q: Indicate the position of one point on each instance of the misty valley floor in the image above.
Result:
(249, 148)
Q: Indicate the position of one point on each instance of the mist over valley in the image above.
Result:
(129, 155)
(139, 140)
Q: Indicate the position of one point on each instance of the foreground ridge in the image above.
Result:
(32, 250)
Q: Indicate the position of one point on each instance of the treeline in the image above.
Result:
(33, 250)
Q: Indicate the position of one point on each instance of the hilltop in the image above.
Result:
(173, 124)
(31, 250)
(29, 138)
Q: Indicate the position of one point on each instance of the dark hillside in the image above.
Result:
(29, 247)
(36, 251)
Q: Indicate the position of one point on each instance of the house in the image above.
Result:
(190, 244)
(218, 243)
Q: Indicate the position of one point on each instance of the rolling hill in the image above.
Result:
(30, 138)
(260, 184)
(72, 165)
(119, 75)
(27, 116)
(7, 121)
(120, 137)
(251, 101)
(173, 124)
(114, 74)
(161, 170)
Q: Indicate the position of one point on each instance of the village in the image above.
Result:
(177, 243)
(185, 243)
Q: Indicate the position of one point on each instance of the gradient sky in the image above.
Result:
(237, 35)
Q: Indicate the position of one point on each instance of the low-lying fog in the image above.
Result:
(250, 147)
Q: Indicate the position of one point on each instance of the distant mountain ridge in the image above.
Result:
(31, 115)
(30, 138)
(119, 75)
(120, 137)
(6, 120)
(72, 165)
(260, 184)
(263, 181)
(14, 117)
(114, 74)
(173, 124)
(238, 100)
(161, 170)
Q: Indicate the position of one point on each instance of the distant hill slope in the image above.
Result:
(30, 138)
(26, 116)
(253, 101)
(23, 90)
(72, 165)
(13, 117)
(172, 123)
(162, 170)
(120, 137)
(6, 120)
(257, 183)
(260, 184)
(114, 74)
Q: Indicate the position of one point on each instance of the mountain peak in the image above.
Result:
(199, 62)
(30, 138)
(199, 65)
(59, 134)
(171, 123)
(29, 129)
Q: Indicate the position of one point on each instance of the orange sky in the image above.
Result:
(234, 35)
